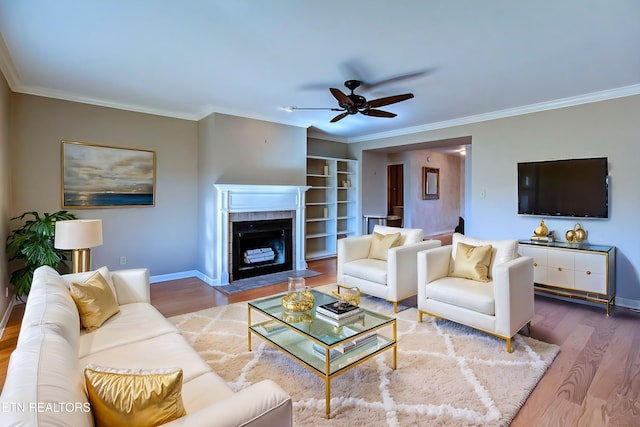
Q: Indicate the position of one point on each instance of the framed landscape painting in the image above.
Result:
(99, 176)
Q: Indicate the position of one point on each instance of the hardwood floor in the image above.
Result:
(594, 380)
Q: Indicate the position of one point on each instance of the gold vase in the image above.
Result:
(570, 236)
(541, 230)
(580, 233)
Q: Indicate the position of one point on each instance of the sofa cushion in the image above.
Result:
(44, 384)
(381, 243)
(502, 250)
(95, 300)
(140, 320)
(152, 353)
(475, 296)
(139, 397)
(408, 236)
(204, 390)
(472, 262)
(372, 270)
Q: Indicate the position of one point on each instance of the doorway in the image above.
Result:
(395, 195)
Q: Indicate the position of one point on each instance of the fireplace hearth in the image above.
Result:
(261, 247)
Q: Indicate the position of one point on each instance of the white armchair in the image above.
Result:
(393, 279)
(500, 306)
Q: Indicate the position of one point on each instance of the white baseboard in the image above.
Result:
(628, 303)
(6, 315)
(183, 275)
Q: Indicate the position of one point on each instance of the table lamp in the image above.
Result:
(79, 235)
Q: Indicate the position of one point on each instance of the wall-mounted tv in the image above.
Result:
(566, 188)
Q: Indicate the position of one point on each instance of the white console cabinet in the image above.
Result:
(581, 271)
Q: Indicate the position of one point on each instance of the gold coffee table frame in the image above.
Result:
(295, 334)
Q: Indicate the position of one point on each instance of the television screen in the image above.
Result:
(570, 188)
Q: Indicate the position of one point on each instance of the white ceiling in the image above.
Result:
(187, 59)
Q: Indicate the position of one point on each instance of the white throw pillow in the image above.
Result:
(408, 236)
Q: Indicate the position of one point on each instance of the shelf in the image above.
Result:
(327, 177)
(318, 235)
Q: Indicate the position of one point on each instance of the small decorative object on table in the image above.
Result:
(580, 233)
(352, 295)
(299, 298)
(542, 233)
(541, 230)
(570, 235)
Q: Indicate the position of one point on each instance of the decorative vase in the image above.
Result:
(580, 233)
(541, 230)
(570, 236)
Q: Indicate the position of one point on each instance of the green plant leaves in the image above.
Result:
(32, 245)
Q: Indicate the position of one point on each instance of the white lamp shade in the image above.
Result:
(78, 234)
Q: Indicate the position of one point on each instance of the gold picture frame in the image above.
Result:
(101, 176)
(430, 183)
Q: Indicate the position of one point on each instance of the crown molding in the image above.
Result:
(604, 95)
(7, 67)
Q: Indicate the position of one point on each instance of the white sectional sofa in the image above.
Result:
(45, 383)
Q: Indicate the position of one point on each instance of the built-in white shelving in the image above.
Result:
(331, 204)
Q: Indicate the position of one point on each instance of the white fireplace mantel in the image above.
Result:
(257, 198)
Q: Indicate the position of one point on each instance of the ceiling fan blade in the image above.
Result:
(339, 117)
(340, 96)
(378, 113)
(380, 102)
(370, 86)
(314, 108)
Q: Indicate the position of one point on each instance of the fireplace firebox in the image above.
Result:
(261, 247)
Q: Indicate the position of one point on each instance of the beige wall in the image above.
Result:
(433, 216)
(607, 128)
(236, 150)
(5, 168)
(161, 238)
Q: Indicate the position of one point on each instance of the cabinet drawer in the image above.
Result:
(559, 259)
(594, 263)
(539, 255)
(560, 276)
(594, 282)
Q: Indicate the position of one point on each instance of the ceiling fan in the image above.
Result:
(353, 103)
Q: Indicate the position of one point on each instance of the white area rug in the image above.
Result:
(448, 375)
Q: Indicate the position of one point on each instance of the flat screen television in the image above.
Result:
(566, 188)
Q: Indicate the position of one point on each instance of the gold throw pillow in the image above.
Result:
(134, 397)
(381, 243)
(95, 301)
(472, 262)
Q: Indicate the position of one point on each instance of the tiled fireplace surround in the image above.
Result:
(240, 202)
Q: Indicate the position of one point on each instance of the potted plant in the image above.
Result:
(32, 245)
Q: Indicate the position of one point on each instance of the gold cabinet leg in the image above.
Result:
(508, 345)
(395, 306)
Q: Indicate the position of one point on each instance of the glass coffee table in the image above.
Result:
(326, 348)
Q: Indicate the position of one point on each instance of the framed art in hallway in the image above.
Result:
(100, 176)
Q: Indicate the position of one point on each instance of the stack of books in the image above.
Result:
(342, 349)
(339, 313)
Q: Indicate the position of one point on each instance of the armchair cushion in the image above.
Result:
(472, 262)
(381, 243)
(469, 294)
(372, 270)
(408, 236)
(502, 250)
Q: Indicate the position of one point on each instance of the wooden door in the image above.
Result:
(395, 187)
